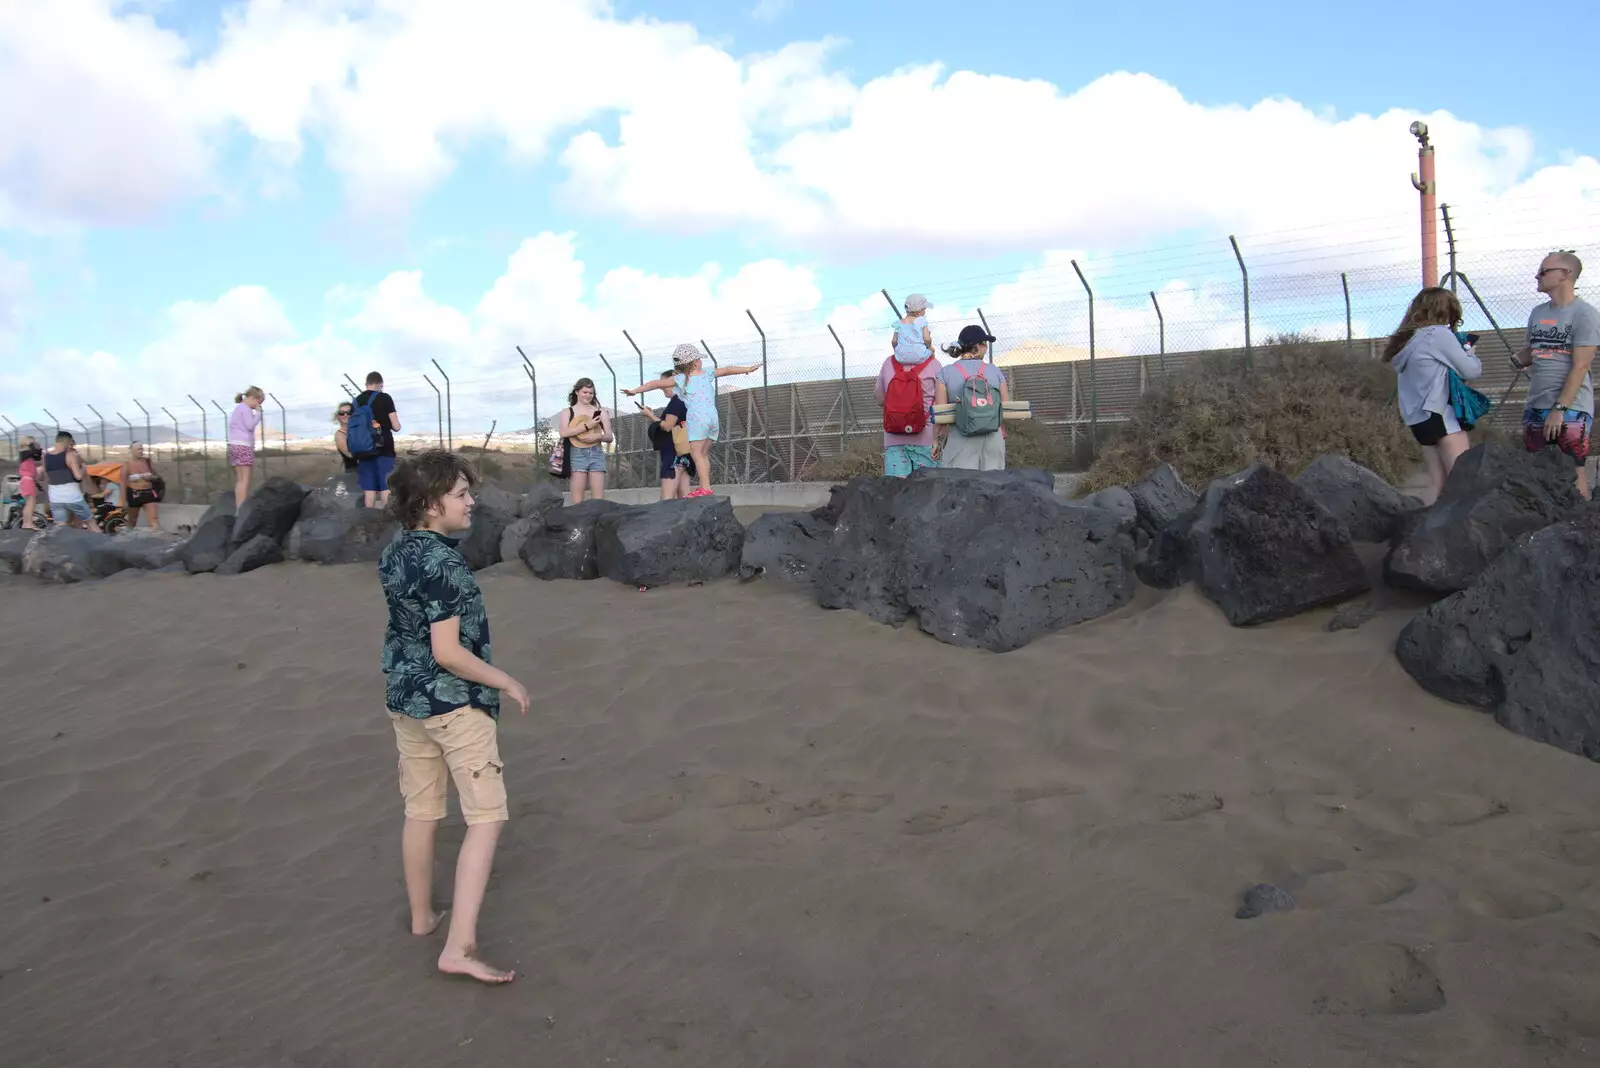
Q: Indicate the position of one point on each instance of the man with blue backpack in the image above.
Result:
(370, 439)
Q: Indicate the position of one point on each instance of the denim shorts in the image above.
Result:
(374, 474)
(59, 510)
(590, 458)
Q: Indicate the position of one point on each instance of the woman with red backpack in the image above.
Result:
(906, 384)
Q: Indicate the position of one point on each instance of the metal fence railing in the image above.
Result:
(1081, 339)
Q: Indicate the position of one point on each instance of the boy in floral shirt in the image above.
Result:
(444, 697)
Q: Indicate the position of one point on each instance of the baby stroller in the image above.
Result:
(11, 505)
(104, 492)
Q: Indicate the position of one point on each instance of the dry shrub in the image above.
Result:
(1303, 398)
(1029, 443)
(863, 456)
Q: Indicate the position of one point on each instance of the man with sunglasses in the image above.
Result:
(1562, 335)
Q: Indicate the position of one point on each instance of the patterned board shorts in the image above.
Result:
(241, 456)
(900, 460)
(1573, 440)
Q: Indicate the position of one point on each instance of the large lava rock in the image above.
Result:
(66, 554)
(141, 550)
(1520, 640)
(669, 541)
(1161, 497)
(1493, 496)
(271, 510)
(481, 543)
(1370, 508)
(209, 545)
(356, 536)
(259, 551)
(340, 493)
(563, 547)
(13, 543)
(985, 559)
(539, 500)
(1119, 502)
(788, 545)
(222, 504)
(516, 535)
(1260, 547)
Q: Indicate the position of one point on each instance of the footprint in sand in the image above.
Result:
(650, 808)
(1348, 887)
(1024, 794)
(937, 819)
(1456, 810)
(1385, 979)
(725, 791)
(1580, 847)
(1504, 904)
(1175, 807)
(770, 816)
(843, 801)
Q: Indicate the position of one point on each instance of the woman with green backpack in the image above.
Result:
(1432, 368)
(978, 390)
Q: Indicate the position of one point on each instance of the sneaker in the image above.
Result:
(701, 492)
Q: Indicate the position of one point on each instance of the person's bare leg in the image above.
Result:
(152, 516)
(241, 486)
(369, 498)
(1450, 450)
(669, 488)
(580, 482)
(1583, 481)
(700, 452)
(682, 482)
(460, 956)
(416, 857)
(597, 485)
(1435, 465)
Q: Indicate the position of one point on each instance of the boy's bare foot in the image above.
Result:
(466, 963)
(426, 929)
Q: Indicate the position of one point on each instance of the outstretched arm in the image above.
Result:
(659, 383)
(724, 372)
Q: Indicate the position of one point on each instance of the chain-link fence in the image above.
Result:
(1080, 339)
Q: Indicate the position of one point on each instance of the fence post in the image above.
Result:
(353, 384)
(449, 409)
(533, 380)
(1094, 380)
(88, 438)
(1249, 355)
(1450, 239)
(844, 390)
(716, 403)
(102, 419)
(129, 425)
(1349, 331)
(177, 451)
(766, 407)
(16, 442)
(149, 437)
(52, 416)
(1161, 326)
(347, 391)
(438, 399)
(205, 449)
(644, 459)
(637, 353)
(283, 426)
(898, 311)
(986, 330)
(613, 411)
(707, 350)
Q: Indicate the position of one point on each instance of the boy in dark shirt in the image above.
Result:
(443, 697)
(373, 471)
(674, 467)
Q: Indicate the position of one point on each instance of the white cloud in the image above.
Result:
(771, 10)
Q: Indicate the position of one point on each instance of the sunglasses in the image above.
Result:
(343, 415)
(1546, 270)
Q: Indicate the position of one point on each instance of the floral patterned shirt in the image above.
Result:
(426, 580)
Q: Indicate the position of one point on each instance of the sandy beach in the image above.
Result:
(747, 831)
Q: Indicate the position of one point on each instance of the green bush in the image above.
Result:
(1301, 399)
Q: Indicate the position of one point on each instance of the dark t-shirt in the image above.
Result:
(382, 409)
(676, 407)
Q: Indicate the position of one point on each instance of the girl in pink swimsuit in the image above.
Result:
(28, 479)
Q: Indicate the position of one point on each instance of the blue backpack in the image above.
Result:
(360, 436)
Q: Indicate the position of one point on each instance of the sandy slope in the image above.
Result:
(749, 832)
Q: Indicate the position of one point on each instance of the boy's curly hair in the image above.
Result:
(421, 481)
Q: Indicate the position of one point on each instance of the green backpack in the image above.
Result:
(978, 409)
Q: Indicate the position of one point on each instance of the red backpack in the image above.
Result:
(904, 409)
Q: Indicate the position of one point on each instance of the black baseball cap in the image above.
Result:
(971, 335)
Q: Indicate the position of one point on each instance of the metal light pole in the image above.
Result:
(1423, 182)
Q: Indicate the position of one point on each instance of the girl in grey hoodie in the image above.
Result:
(1423, 351)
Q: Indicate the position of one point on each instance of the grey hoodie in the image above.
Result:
(1422, 365)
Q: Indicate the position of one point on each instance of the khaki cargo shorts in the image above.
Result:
(463, 745)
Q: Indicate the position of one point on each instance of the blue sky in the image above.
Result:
(978, 191)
